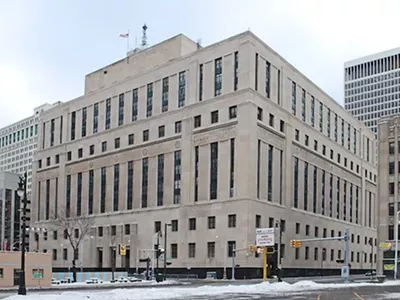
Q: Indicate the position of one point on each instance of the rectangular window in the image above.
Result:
(117, 143)
(160, 180)
(201, 83)
(213, 170)
(218, 77)
(91, 190)
(271, 120)
(91, 149)
(38, 273)
(174, 225)
(296, 183)
(103, 190)
(348, 137)
(161, 131)
(108, 114)
(336, 127)
(61, 129)
(256, 73)
(214, 117)
(315, 189)
(305, 186)
(149, 103)
(145, 135)
(103, 146)
(312, 111)
(95, 118)
(52, 126)
(80, 153)
(177, 177)
(192, 224)
(342, 137)
(232, 168)
(182, 89)
(270, 171)
(351, 203)
(328, 123)
(165, 93)
(47, 199)
(321, 117)
(192, 250)
(73, 120)
(267, 79)
(131, 139)
(84, 121)
(211, 222)
(357, 204)
(294, 98)
(145, 178)
(231, 247)
(303, 105)
(236, 71)
(121, 104)
(355, 141)
(196, 173)
(323, 193)
(231, 221)
(197, 121)
(135, 100)
(130, 186)
(344, 199)
(79, 195)
(338, 198)
(258, 167)
(178, 126)
(258, 221)
(67, 197)
(211, 249)
(174, 251)
(233, 112)
(330, 195)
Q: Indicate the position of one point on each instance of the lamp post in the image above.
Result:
(279, 257)
(322, 261)
(225, 254)
(396, 244)
(165, 249)
(22, 194)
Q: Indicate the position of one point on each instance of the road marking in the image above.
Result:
(358, 296)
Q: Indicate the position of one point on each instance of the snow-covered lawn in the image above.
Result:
(190, 292)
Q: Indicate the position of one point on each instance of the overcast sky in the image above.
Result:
(47, 46)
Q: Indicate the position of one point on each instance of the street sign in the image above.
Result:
(265, 237)
(295, 244)
(122, 249)
(388, 267)
(385, 246)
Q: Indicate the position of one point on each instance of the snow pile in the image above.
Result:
(191, 292)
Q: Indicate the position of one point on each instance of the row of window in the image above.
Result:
(19, 135)
(316, 147)
(371, 80)
(373, 67)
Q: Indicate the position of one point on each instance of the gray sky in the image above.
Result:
(47, 46)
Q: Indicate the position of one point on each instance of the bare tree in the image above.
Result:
(75, 229)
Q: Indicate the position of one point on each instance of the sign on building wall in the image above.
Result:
(265, 237)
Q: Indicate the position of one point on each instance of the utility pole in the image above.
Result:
(233, 261)
(165, 250)
(22, 195)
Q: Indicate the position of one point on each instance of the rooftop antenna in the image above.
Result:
(198, 44)
(144, 37)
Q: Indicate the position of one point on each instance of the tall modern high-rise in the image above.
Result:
(372, 87)
(215, 141)
(18, 143)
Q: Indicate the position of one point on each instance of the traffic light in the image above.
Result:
(252, 248)
(295, 244)
(340, 261)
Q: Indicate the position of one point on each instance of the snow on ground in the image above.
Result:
(190, 292)
(390, 296)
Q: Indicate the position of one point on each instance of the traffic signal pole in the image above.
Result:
(265, 274)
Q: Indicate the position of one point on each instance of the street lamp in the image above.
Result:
(22, 195)
(165, 249)
(396, 246)
(225, 253)
(278, 224)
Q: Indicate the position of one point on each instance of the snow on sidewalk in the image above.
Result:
(189, 292)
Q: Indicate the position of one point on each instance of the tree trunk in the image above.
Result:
(75, 255)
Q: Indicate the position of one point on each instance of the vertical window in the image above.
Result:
(296, 183)
(258, 167)
(323, 193)
(270, 171)
(165, 91)
(135, 99)
(79, 195)
(214, 117)
(355, 140)
(236, 71)
(294, 98)
(182, 89)
(95, 118)
(52, 125)
(267, 79)
(342, 138)
(145, 178)
(196, 173)
(232, 168)
(197, 121)
(130, 185)
(103, 189)
(160, 180)
(348, 137)
(368, 149)
(369, 209)
(178, 126)
(73, 120)
(108, 114)
(330, 195)
(61, 129)
(161, 131)
(201, 83)
(256, 73)
(357, 204)
(177, 177)
(145, 135)
(321, 117)
(213, 170)
(84, 121)
(149, 104)
(47, 199)
(67, 197)
(232, 112)
(338, 198)
(312, 111)
(43, 136)
(335, 130)
(305, 186)
(211, 249)
(192, 250)
(116, 188)
(351, 203)
(103, 146)
(328, 123)
(131, 139)
(121, 104)
(315, 189)
(91, 189)
(303, 105)
(56, 199)
(218, 77)
(39, 196)
(344, 199)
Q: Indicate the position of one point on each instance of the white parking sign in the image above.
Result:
(265, 237)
